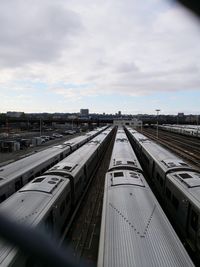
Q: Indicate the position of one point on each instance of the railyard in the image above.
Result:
(9, 157)
(82, 236)
(187, 147)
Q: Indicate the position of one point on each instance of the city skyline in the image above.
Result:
(102, 55)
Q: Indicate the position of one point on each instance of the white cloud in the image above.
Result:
(34, 31)
(99, 47)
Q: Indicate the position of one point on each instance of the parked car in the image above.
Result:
(56, 135)
(45, 137)
(70, 132)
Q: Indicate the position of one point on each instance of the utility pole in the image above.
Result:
(157, 110)
(40, 127)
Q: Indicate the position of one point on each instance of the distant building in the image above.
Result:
(14, 114)
(124, 122)
(84, 112)
(119, 113)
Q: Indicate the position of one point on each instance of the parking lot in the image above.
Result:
(7, 157)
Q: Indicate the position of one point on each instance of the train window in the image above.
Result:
(62, 208)
(158, 177)
(175, 202)
(185, 175)
(161, 181)
(194, 220)
(118, 174)
(38, 180)
(168, 193)
(2, 198)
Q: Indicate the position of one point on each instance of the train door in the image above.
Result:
(192, 227)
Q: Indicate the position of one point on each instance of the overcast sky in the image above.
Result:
(130, 55)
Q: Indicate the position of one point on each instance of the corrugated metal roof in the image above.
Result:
(136, 231)
(80, 156)
(123, 153)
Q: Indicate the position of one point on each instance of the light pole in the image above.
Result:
(40, 127)
(157, 110)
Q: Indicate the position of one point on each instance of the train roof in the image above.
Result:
(30, 204)
(35, 195)
(74, 162)
(21, 166)
(189, 183)
(75, 140)
(135, 230)
(123, 154)
(166, 159)
(181, 126)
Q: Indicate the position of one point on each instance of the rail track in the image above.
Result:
(186, 147)
(82, 237)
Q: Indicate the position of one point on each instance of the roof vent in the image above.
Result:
(54, 179)
(38, 180)
(95, 142)
(67, 168)
(185, 176)
(130, 162)
(55, 168)
(183, 163)
(118, 174)
(134, 175)
(121, 140)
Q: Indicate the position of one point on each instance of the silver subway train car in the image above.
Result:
(14, 175)
(134, 229)
(189, 130)
(48, 200)
(177, 183)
